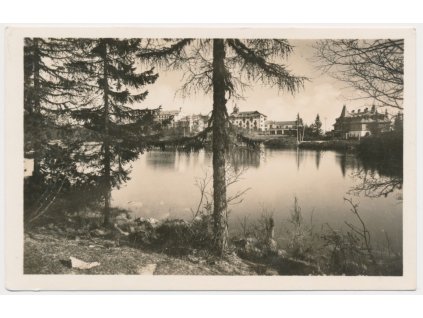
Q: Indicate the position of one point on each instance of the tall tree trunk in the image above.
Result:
(36, 112)
(219, 148)
(107, 183)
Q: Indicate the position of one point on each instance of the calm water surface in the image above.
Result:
(162, 185)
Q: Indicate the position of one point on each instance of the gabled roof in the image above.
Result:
(281, 123)
(359, 113)
(248, 114)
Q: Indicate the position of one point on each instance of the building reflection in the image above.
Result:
(373, 178)
(176, 160)
(161, 159)
(245, 158)
(181, 161)
(299, 157)
(318, 157)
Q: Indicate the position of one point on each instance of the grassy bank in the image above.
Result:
(387, 146)
(280, 142)
(291, 142)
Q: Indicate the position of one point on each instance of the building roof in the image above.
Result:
(200, 116)
(169, 112)
(359, 113)
(195, 117)
(365, 116)
(281, 123)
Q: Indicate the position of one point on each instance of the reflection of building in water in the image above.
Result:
(189, 160)
(245, 158)
(385, 168)
(299, 157)
(361, 123)
(347, 161)
(251, 120)
(373, 178)
(175, 160)
(318, 157)
(161, 159)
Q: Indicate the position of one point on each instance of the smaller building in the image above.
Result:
(250, 120)
(360, 123)
(192, 123)
(199, 122)
(286, 128)
(169, 116)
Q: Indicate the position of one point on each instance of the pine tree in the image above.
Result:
(113, 82)
(48, 92)
(223, 67)
(317, 126)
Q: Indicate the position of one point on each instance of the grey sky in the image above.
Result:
(321, 94)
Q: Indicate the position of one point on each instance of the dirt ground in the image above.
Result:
(49, 253)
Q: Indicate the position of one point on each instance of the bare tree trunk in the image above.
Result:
(219, 148)
(107, 183)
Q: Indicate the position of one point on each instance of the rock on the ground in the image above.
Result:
(77, 263)
(147, 269)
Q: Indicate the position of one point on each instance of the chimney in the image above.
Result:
(344, 110)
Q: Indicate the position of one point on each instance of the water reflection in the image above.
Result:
(162, 184)
(176, 160)
(373, 178)
(318, 157)
(246, 158)
(182, 160)
(161, 160)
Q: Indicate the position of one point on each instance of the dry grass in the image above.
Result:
(44, 253)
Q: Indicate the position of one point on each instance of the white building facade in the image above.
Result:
(286, 128)
(250, 120)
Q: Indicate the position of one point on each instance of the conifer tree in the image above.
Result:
(223, 67)
(108, 72)
(317, 126)
(48, 91)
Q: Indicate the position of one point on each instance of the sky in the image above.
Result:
(321, 94)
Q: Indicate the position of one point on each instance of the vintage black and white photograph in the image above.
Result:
(213, 156)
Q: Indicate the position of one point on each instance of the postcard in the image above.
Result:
(210, 158)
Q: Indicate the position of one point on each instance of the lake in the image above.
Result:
(163, 185)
